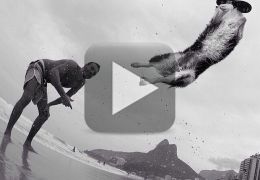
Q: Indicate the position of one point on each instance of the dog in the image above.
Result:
(214, 44)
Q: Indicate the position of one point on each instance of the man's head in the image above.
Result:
(90, 69)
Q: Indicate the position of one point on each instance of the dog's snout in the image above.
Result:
(225, 7)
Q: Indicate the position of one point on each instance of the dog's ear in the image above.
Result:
(242, 6)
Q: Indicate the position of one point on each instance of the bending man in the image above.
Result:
(61, 73)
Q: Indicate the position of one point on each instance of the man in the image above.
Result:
(62, 73)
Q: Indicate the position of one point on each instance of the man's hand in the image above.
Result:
(66, 101)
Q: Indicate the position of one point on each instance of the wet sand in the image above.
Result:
(17, 162)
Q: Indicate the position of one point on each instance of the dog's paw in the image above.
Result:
(135, 65)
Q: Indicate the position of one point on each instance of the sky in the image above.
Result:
(217, 116)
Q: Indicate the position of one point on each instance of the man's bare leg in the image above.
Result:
(39, 121)
(20, 105)
(138, 65)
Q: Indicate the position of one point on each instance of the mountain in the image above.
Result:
(214, 174)
(159, 162)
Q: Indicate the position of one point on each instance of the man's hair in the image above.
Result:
(92, 63)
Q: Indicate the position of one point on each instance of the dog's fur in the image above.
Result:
(216, 42)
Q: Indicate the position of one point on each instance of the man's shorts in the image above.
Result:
(36, 70)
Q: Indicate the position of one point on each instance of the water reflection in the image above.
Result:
(24, 170)
(5, 141)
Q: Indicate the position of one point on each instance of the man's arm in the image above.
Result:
(70, 93)
(55, 80)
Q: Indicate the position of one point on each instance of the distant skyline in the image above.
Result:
(217, 117)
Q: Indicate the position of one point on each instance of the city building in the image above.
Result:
(250, 168)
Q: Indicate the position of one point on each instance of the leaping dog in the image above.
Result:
(216, 42)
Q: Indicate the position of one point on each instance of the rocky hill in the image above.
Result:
(159, 162)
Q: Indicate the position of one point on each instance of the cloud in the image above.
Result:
(225, 163)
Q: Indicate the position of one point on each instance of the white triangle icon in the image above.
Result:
(126, 88)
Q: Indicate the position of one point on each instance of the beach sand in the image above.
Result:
(54, 159)
(17, 162)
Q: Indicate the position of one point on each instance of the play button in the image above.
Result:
(116, 102)
(126, 88)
